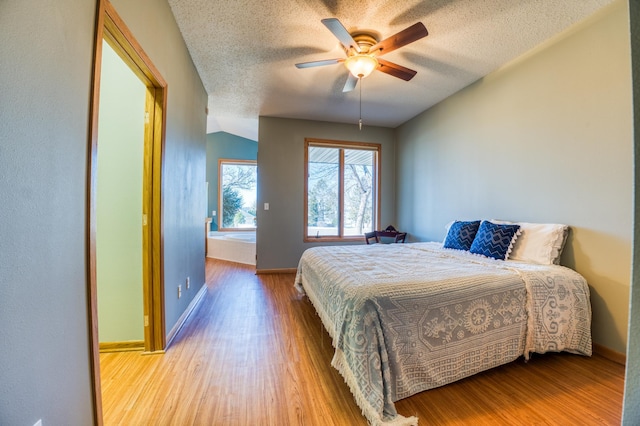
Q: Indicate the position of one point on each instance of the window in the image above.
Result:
(341, 189)
(237, 194)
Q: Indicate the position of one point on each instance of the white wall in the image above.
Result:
(546, 139)
(119, 201)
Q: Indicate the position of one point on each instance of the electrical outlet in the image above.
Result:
(179, 291)
(213, 212)
(188, 283)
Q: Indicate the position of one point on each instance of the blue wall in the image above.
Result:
(229, 147)
(45, 361)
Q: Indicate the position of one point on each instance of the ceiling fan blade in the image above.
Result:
(351, 83)
(404, 37)
(319, 63)
(341, 33)
(396, 70)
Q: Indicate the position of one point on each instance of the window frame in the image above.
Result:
(376, 148)
(228, 161)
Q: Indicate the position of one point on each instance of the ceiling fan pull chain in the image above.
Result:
(360, 120)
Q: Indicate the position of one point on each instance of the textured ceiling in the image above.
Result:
(245, 52)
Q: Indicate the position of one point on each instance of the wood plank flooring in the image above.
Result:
(255, 353)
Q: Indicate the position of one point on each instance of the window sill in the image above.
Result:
(334, 239)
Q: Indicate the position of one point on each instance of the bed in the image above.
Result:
(404, 318)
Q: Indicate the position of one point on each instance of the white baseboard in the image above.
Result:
(183, 318)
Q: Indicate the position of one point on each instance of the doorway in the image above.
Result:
(119, 227)
(112, 30)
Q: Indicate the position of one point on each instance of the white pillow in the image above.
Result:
(538, 242)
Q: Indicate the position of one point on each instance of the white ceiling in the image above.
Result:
(245, 52)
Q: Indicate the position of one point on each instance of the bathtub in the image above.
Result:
(232, 246)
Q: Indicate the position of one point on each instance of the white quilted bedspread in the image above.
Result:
(404, 318)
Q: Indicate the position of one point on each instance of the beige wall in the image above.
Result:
(547, 138)
(281, 183)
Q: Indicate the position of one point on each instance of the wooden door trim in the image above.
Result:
(92, 175)
(110, 27)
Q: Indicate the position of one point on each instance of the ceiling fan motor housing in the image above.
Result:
(364, 40)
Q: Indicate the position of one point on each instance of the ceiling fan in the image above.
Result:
(364, 51)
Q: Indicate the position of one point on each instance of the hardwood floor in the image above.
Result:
(255, 353)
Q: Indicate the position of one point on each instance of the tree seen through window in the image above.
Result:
(340, 188)
(237, 181)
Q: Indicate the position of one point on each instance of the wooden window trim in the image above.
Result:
(376, 174)
(231, 161)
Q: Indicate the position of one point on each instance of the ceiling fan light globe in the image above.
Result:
(361, 66)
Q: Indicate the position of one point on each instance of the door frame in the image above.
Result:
(111, 28)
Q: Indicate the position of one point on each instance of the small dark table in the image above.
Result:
(389, 232)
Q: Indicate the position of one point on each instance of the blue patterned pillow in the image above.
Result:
(461, 235)
(493, 240)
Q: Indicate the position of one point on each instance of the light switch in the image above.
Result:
(266, 206)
